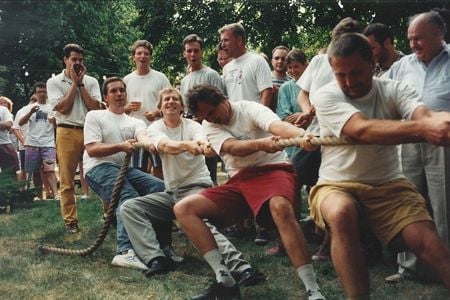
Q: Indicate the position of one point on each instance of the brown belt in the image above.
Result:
(70, 126)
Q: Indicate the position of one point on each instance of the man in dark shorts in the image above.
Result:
(262, 180)
(9, 161)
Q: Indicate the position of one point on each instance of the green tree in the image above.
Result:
(33, 33)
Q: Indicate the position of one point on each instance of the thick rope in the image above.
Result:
(118, 186)
(108, 219)
(317, 141)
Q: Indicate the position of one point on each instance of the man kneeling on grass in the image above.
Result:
(181, 145)
(365, 180)
(261, 178)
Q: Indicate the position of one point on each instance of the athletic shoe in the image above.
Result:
(315, 295)
(321, 255)
(159, 265)
(170, 253)
(220, 292)
(233, 232)
(262, 237)
(398, 277)
(129, 260)
(250, 277)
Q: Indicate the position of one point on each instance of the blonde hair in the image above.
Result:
(170, 90)
(8, 102)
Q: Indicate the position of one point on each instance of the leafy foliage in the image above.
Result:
(33, 33)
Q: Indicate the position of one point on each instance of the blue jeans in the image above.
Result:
(136, 183)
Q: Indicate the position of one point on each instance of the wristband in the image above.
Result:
(80, 84)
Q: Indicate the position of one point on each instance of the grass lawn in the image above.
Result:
(25, 273)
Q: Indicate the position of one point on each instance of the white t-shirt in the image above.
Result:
(317, 74)
(371, 164)
(204, 75)
(145, 87)
(58, 87)
(182, 169)
(5, 116)
(24, 128)
(106, 127)
(249, 121)
(246, 77)
(41, 132)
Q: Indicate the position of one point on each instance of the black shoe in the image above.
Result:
(262, 237)
(72, 228)
(217, 291)
(233, 232)
(170, 253)
(159, 265)
(250, 277)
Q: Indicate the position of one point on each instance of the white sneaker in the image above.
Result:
(129, 260)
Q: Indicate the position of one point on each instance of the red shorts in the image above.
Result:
(253, 187)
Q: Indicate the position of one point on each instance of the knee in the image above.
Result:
(341, 216)
(428, 247)
(125, 209)
(281, 208)
(183, 208)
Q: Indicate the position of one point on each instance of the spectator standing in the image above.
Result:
(247, 76)
(9, 161)
(381, 40)
(427, 166)
(279, 69)
(40, 153)
(21, 133)
(71, 94)
(143, 87)
(222, 56)
(199, 74)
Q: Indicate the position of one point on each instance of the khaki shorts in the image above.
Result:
(388, 207)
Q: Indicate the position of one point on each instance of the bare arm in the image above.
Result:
(243, 148)
(65, 105)
(24, 120)
(5, 125)
(152, 115)
(98, 149)
(266, 97)
(285, 130)
(176, 147)
(308, 111)
(425, 125)
(19, 135)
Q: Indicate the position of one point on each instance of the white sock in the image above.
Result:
(215, 260)
(307, 275)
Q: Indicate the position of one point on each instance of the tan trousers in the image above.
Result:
(69, 148)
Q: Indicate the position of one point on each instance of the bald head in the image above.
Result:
(426, 33)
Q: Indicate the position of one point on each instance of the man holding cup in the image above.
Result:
(143, 86)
